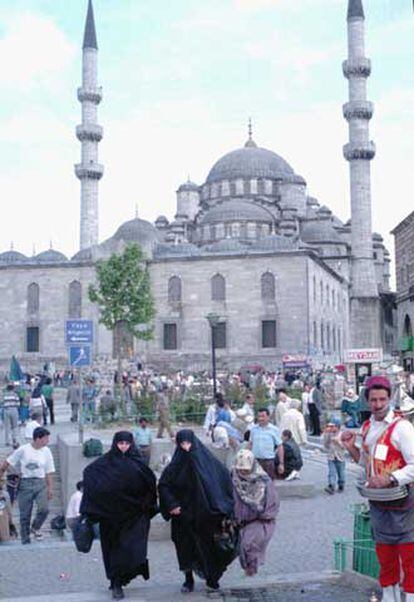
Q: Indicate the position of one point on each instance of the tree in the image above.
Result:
(123, 295)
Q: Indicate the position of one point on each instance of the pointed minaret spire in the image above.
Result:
(250, 142)
(50, 245)
(89, 133)
(355, 10)
(12, 246)
(34, 250)
(89, 38)
(136, 211)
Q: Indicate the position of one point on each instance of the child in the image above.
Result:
(336, 456)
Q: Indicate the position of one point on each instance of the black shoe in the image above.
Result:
(212, 585)
(341, 488)
(117, 592)
(329, 490)
(187, 587)
(145, 571)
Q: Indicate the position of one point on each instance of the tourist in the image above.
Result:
(163, 411)
(282, 406)
(73, 398)
(387, 453)
(264, 442)
(32, 424)
(107, 405)
(293, 462)
(315, 410)
(120, 494)
(143, 439)
(73, 510)
(350, 409)
(37, 401)
(10, 406)
(196, 493)
(37, 467)
(89, 395)
(333, 445)
(47, 392)
(248, 405)
(211, 415)
(294, 421)
(256, 505)
(305, 405)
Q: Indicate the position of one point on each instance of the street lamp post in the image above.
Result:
(213, 320)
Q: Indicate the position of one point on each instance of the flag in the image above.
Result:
(16, 373)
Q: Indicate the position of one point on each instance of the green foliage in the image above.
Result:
(123, 293)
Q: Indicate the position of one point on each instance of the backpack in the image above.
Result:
(92, 448)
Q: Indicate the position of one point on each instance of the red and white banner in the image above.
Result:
(363, 356)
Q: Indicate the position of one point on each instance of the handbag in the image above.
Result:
(227, 541)
(83, 535)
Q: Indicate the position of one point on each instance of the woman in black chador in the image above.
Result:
(120, 494)
(196, 492)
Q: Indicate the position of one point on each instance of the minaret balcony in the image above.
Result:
(89, 131)
(358, 109)
(354, 152)
(91, 171)
(90, 94)
(360, 67)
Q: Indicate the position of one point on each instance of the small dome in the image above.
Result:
(161, 219)
(235, 211)
(188, 186)
(248, 162)
(377, 237)
(83, 255)
(50, 256)
(13, 257)
(136, 230)
(319, 231)
(274, 242)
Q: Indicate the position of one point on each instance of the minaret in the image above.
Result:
(89, 171)
(364, 304)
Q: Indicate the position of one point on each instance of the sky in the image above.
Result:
(180, 80)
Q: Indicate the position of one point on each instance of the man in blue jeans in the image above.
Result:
(37, 467)
(336, 456)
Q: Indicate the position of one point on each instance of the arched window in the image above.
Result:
(327, 294)
(174, 289)
(33, 298)
(267, 282)
(408, 329)
(75, 299)
(218, 288)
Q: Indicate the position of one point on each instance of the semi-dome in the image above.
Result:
(83, 255)
(137, 230)
(274, 242)
(237, 211)
(319, 231)
(251, 161)
(12, 257)
(50, 256)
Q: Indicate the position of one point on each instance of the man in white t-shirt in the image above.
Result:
(73, 509)
(36, 465)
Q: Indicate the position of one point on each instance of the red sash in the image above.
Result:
(394, 459)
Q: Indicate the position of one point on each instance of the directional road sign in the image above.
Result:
(79, 332)
(79, 356)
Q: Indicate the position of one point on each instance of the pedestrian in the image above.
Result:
(305, 406)
(265, 442)
(73, 509)
(294, 421)
(163, 410)
(73, 398)
(143, 439)
(350, 408)
(196, 493)
(248, 405)
(315, 410)
(37, 401)
(282, 406)
(336, 455)
(89, 395)
(387, 453)
(119, 492)
(11, 405)
(108, 405)
(256, 505)
(32, 424)
(293, 462)
(47, 392)
(37, 467)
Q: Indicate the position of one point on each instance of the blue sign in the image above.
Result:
(78, 332)
(80, 356)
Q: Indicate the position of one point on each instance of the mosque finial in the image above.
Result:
(136, 211)
(12, 246)
(34, 250)
(250, 142)
(50, 245)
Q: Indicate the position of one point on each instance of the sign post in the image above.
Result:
(79, 339)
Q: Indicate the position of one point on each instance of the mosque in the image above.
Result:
(278, 270)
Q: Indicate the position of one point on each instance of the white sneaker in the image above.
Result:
(37, 535)
(293, 475)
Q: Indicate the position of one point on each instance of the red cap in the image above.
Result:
(378, 382)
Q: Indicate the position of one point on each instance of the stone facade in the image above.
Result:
(404, 267)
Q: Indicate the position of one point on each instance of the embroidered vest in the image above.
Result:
(394, 459)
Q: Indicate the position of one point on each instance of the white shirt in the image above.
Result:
(73, 508)
(31, 425)
(402, 439)
(210, 418)
(305, 401)
(33, 463)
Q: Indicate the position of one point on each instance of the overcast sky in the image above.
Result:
(180, 80)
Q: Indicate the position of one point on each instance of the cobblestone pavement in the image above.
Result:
(302, 543)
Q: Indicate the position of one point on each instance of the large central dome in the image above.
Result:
(248, 162)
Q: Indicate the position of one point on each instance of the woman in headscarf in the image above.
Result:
(120, 494)
(196, 493)
(256, 507)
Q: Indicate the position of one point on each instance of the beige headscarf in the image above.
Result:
(251, 487)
